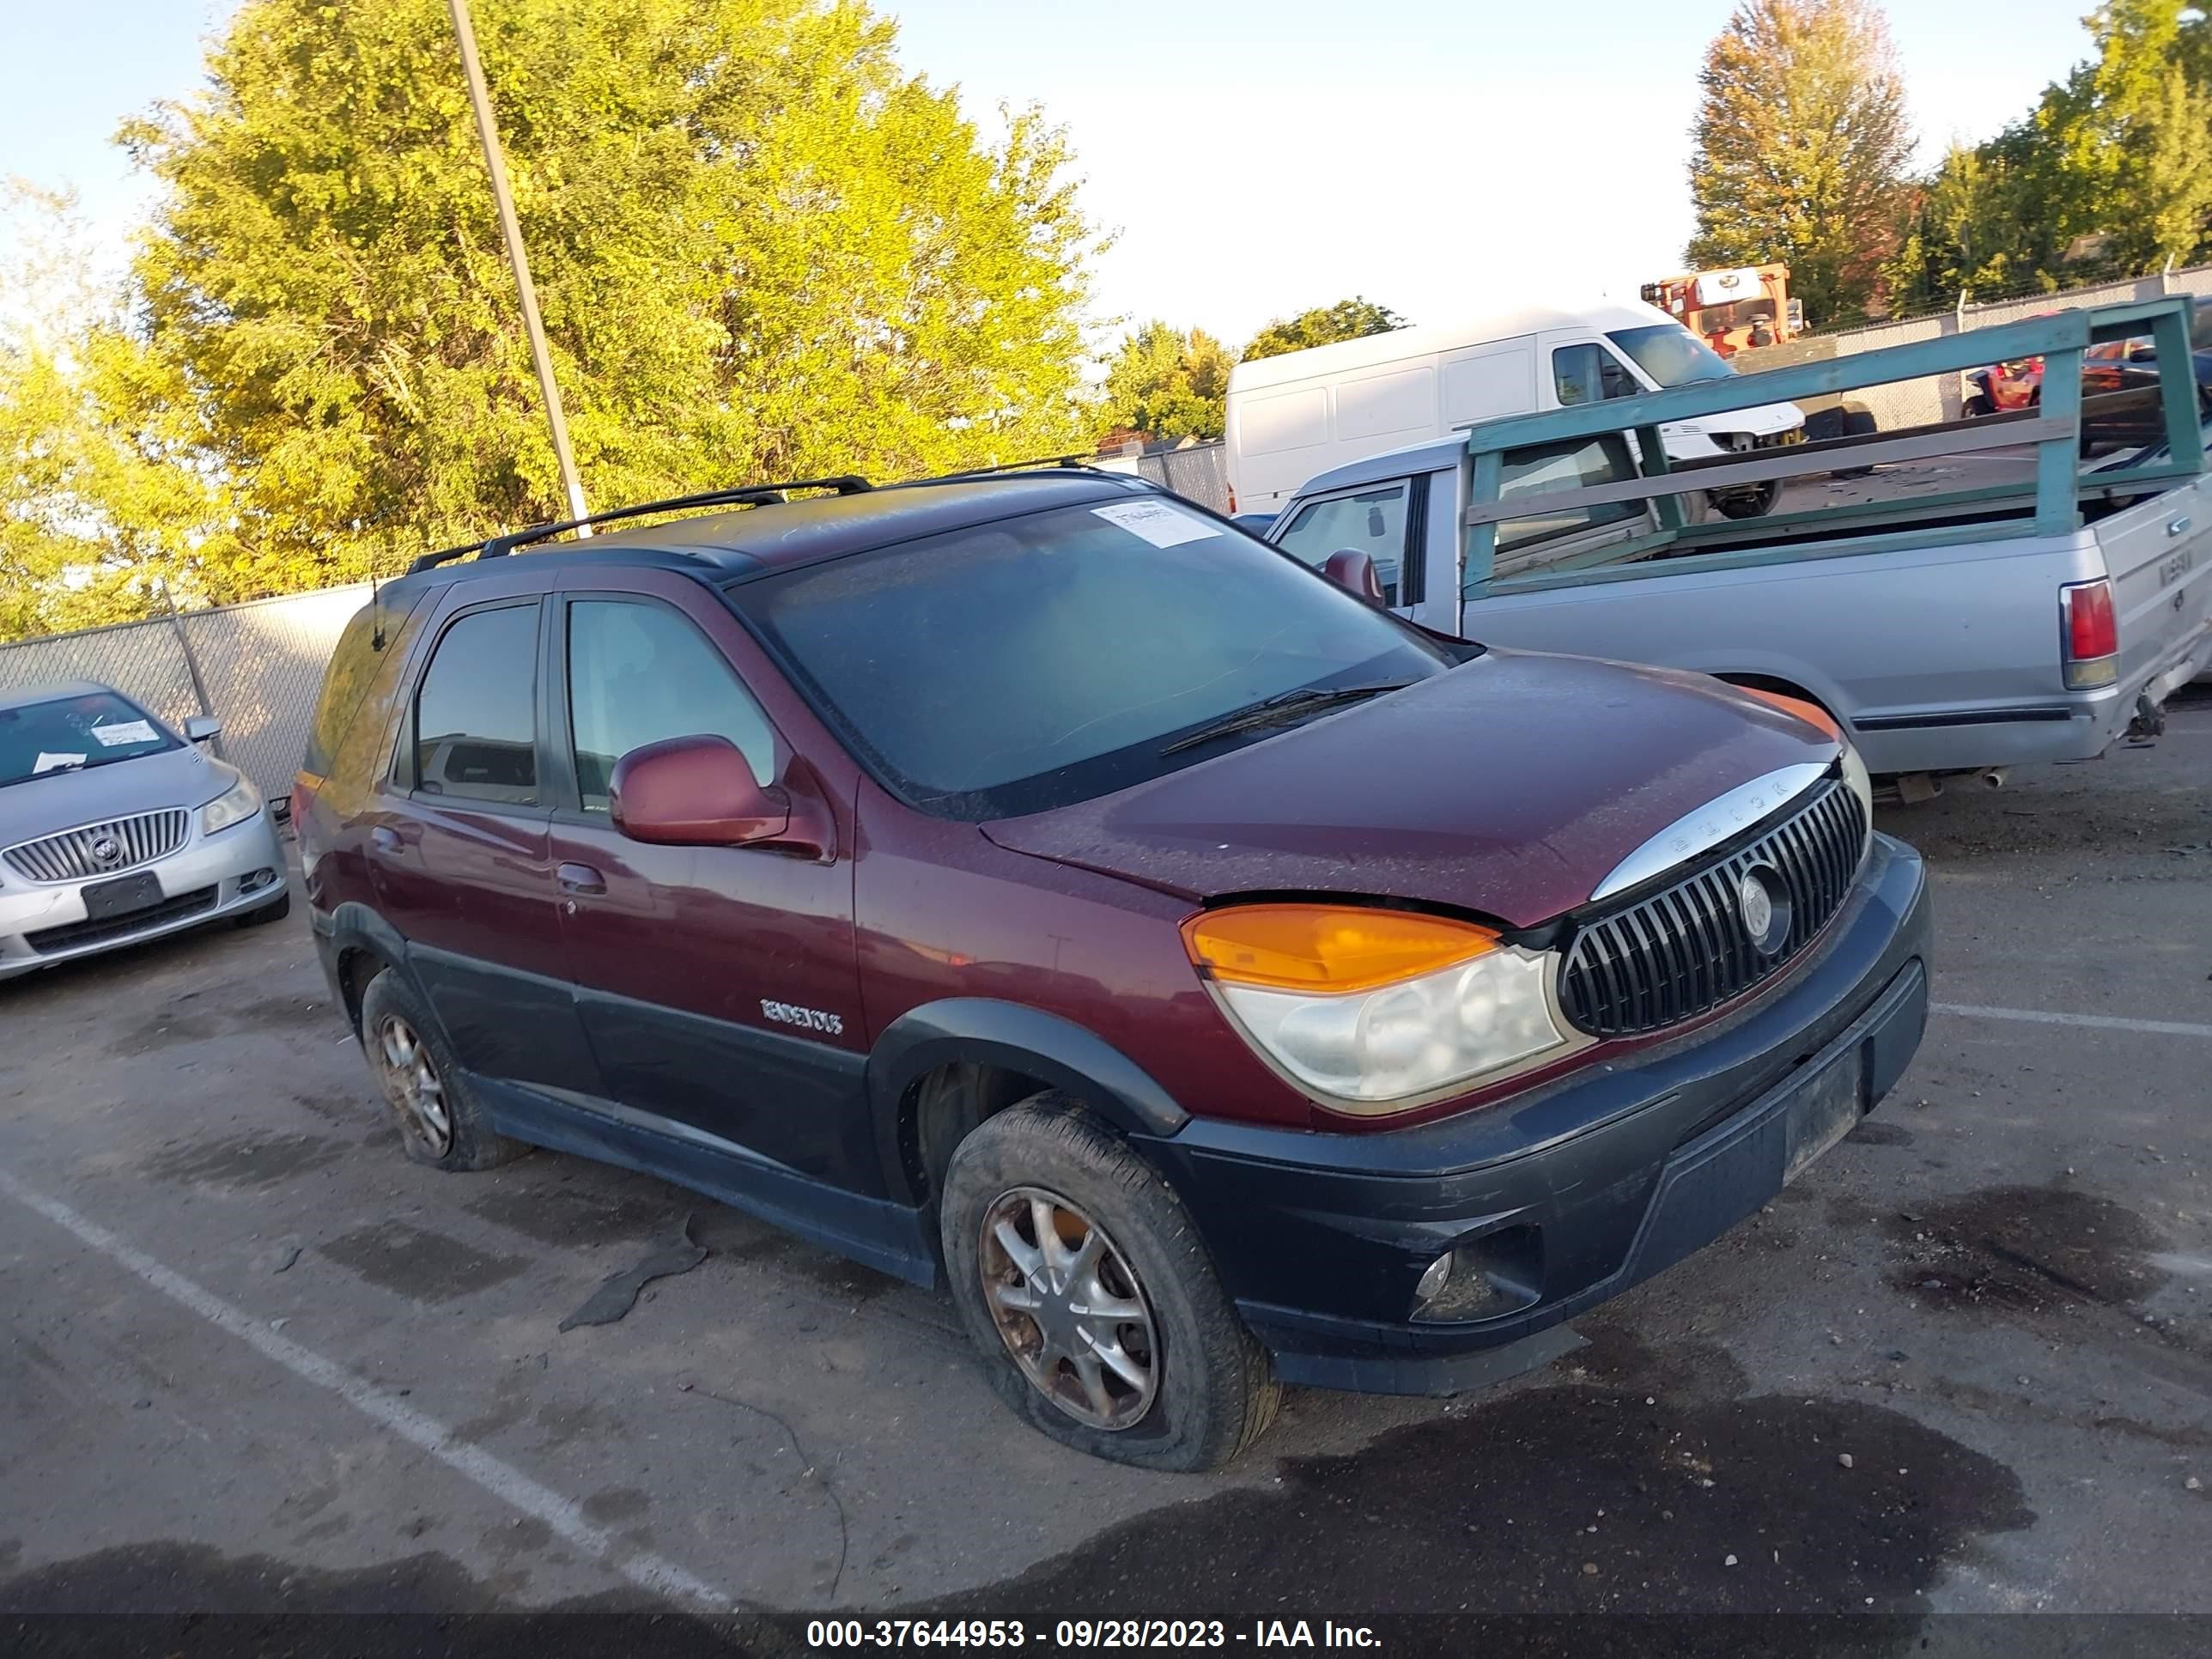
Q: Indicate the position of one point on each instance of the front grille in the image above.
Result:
(72, 855)
(1685, 950)
(77, 933)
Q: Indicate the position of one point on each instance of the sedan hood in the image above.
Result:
(62, 800)
(1510, 785)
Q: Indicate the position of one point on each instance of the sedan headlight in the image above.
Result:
(234, 806)
(1376, 1009)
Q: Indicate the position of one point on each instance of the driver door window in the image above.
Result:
(1370, 521)
(1588, 373)
(639, 672)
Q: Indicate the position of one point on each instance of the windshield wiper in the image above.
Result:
(1286, 705)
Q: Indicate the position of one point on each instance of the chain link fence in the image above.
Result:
(255, 668)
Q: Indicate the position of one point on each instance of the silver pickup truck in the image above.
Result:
(2037, 616)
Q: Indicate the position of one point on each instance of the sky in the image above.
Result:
(1252, 157)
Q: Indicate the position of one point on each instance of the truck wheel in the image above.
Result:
(440, 1123)
(1085, 1285)
(1748, 501)
(1975, 407)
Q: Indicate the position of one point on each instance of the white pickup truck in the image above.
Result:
(2037, 616)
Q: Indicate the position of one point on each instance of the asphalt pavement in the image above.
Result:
(253, 1360)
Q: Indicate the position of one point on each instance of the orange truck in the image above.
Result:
(1731, 310)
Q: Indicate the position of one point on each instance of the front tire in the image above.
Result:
(440, 1121)
(1082, 1282)
(263, 915)
(1748, 501)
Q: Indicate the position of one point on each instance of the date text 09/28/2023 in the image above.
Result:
(823, 1634)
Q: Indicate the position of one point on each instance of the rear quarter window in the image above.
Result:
(357, 668)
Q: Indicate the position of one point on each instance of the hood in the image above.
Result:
(62, 800)
(1510, 785)
(1761, 420)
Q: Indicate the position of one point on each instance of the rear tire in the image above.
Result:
(442, 1123)
(1185, 1386)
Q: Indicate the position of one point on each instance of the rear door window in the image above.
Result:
(1370, 521)
(638, 672)
(476, 715)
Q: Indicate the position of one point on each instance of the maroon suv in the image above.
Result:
(1035, 880)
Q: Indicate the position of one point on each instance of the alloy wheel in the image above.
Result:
(1069, 1308)
(412, 1087)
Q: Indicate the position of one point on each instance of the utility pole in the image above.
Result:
(495, 164)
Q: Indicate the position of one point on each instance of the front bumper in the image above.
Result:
(205, 880)
(1568, 1195)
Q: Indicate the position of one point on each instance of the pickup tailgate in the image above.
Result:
(2159, 555)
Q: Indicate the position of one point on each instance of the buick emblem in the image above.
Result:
(106, 853)
(1764, 902)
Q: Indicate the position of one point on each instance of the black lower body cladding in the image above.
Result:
(1549, 1204)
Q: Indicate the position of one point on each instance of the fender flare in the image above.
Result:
(1022, 1039)
(354, 927)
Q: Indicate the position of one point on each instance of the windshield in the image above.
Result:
(1671, 354)
(1051, 657)
(96, 729)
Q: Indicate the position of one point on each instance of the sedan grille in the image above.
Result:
(101, 850)
(1687, 948)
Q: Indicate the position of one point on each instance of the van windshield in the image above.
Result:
(1671, 354)
(1060, 655)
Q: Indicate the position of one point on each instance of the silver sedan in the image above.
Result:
(115, 829)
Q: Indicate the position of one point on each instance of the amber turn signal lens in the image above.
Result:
(1325, 947)
(1811, 713)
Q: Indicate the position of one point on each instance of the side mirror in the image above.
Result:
(694, 792)
(1352, 569)
(202, 728)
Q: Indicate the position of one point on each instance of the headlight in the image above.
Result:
(234, 806)
(1376, 1009)
(1854, 776)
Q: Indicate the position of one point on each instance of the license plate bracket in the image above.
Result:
(1826, 1111)
(104, 901)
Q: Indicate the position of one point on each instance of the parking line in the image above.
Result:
(2094, 1021)
(501, 1479)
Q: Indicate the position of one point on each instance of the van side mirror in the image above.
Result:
(694, 792)
(203, 728)
(1354, 571)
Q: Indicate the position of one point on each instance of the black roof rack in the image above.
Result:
(1061, 463)
(766, 494)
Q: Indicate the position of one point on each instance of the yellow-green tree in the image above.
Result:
(1167, 383)
(1802, 141)
(1347, 319)
(2110, 174)
(763, 251)
(107, 487)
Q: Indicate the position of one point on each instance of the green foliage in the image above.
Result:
(1801, 143)
(1347, 319)
(763, 251)
(1167, 384)
(2110, 175)
(106, 488)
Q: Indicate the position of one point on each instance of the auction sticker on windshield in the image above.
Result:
(114, 736)
(1156, 522)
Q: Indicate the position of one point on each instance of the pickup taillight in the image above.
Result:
(2091, 631)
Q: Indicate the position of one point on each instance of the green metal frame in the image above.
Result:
(2051, 507)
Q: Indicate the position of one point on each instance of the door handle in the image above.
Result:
(581, 878)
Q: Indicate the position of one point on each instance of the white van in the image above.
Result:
(1304, 412)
